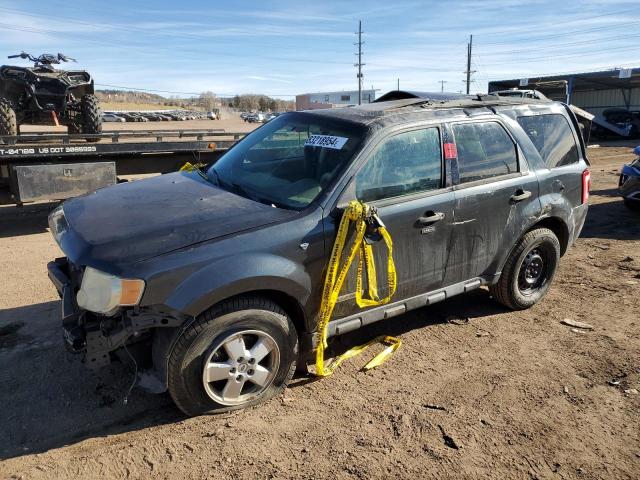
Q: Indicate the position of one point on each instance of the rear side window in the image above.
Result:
(485, 150)
(406, 163)
(552, 136)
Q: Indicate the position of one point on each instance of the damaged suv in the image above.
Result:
(217, 276)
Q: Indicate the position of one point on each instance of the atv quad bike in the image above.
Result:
(42, 95)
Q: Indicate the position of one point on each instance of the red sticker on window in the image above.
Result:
(450, 151)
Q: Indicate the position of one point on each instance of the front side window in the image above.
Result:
(290, 160)
(552, 137)
(485, 150)
(406, 163)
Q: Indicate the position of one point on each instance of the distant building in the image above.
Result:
(591, 91)
(313, 101)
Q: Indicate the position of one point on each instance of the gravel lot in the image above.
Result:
(506, 395)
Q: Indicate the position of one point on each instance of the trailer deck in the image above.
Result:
(50, 166)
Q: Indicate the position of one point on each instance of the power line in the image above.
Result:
(534, 27)
(556, 45)
(569, 55)
(359, 64)
(608, 68)
(468, 72)
(564, 34)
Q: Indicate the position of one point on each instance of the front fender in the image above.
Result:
(239, 274)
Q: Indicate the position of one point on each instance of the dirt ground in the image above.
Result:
(507, 395)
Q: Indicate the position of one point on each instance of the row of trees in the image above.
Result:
(260, 103)
(205, 101)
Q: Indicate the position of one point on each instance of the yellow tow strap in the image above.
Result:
(189, 167)
(361, 215)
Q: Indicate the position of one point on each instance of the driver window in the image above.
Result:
(406, 163)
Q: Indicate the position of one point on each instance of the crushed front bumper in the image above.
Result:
(60, 274)
(84, 332)
(97, 336)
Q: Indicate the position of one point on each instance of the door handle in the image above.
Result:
(431, 217)
(520, 195)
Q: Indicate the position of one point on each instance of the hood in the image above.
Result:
(130, 222)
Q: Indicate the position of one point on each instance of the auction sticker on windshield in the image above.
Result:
(327, 141)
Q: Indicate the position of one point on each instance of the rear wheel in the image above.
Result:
(91, 116)
(8, 123)
(529, 270)
(237, 354)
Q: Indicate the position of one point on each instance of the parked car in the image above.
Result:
(255, 118)
(217, 276)
(111, 117)
(129, 117)
(153, 117)
(629, 184)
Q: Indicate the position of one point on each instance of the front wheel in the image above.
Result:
(632, 204)
(235, 355)
(529, 270)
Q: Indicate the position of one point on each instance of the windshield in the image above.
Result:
(289, 161)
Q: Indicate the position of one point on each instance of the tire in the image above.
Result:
(73, 129)
(8, 123)
(633, 205)
(213, 339)
(519, 288)
(91, 116)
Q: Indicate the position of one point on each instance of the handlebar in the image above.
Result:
(45, 58)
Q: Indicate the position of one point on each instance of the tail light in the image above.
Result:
(586, 185)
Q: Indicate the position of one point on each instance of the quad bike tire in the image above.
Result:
(8, 123)
(91, 116)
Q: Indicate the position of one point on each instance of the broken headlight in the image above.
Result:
(103, 293)
(58, 224)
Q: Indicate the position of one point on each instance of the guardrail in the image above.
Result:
(115, 137)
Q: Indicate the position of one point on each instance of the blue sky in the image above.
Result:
(291, 46)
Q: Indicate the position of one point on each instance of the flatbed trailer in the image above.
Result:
(44, 166)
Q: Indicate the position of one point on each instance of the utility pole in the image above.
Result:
(469, 71)
(359, 64)
(442, 82)
(398, 85)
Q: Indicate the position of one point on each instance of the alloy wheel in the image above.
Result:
(241, 367)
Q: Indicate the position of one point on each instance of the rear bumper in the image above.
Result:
(579, 217)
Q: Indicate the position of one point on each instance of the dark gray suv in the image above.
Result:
(217, 276)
